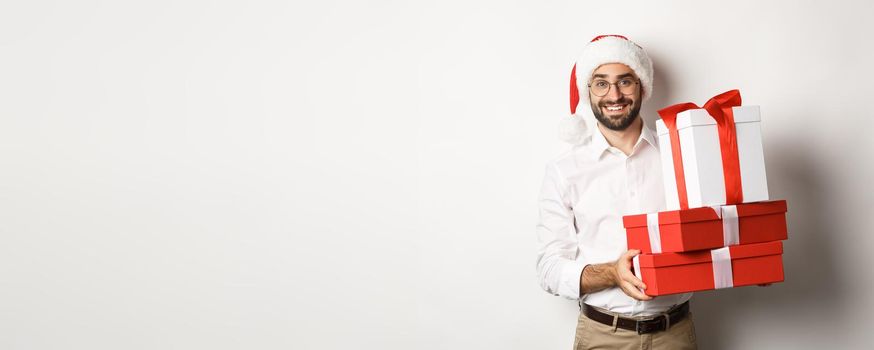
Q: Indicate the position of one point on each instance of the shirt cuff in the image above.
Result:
(570, 280)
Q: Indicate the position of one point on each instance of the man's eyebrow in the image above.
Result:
(602, 76)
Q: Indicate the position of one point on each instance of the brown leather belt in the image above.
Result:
(656, 324)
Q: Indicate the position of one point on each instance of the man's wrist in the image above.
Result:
(582, 277)
(596, 277)
(614, 275)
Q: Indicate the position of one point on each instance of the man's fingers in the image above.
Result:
(633, 292)
(629, 284)
(626, 257)
(629, 277)
(636, 282)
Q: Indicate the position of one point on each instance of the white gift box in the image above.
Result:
(702, 158)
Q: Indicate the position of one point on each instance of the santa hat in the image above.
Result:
(601, 50)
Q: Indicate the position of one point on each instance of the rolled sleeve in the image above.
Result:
(558, 267)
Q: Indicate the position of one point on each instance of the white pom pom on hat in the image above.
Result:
(601, 50)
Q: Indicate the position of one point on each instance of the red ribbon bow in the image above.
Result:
(720, 108)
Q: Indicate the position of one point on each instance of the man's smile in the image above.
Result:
(616, 108)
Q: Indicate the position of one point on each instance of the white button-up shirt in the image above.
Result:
(585, 193)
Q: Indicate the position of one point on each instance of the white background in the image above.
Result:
(364, 175)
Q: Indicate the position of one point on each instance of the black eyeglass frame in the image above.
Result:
(611, 85)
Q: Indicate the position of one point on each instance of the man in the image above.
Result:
(612, 170)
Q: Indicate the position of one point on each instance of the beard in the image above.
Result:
(620, 122)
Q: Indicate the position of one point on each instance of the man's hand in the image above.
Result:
(616, 274)
(626, 280)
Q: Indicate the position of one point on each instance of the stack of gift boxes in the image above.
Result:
(720, 229)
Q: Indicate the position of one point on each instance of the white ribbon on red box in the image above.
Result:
(635, 262)
(652, 227)
(722, 274)
(730, 225)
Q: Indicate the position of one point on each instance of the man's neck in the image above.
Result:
(624, 140)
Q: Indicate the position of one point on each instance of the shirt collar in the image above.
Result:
(600, 145)
(647, 135)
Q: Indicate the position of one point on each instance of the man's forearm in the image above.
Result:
(597, 277)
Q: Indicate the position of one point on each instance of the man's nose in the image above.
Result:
(613, 93)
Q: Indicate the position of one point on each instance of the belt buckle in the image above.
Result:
(641, 327)
(648, 326)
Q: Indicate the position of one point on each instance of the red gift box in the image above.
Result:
(727, 267)
(706, 227)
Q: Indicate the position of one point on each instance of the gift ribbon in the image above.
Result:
(635, 262)
(669, 117)
(652, 228)
(722, 276)
(720, 108)
(730, 225)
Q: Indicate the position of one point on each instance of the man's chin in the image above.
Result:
(617, 123)
(618, 119)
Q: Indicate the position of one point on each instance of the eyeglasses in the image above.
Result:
(601, 87)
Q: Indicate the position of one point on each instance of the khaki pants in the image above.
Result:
(595, 335)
